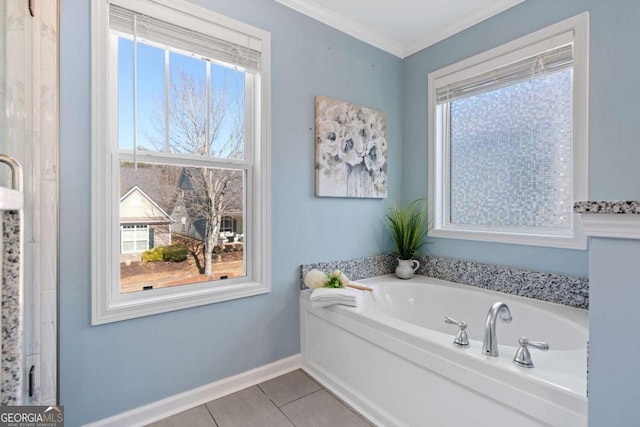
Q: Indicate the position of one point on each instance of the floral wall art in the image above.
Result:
(351, 150)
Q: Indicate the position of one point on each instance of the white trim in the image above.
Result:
(437, 180)
(513, 238)
(101, 272)
(619, 226)
(175, 404)
(388, 44)
(108, 304)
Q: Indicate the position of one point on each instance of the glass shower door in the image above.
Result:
(29, 133)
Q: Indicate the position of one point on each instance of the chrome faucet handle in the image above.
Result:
(461, 339)
(523, 357)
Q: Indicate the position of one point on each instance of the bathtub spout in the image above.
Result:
(490, 343)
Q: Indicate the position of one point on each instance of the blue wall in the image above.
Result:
(614, 379)
(112, 368)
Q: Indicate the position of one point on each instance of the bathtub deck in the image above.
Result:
(293, 399)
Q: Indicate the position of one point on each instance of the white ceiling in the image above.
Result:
(400, 27)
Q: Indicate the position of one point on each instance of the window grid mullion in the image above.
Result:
(446, 153)
(167, 139)
(135, 90)
(208, 109)
(190, 161)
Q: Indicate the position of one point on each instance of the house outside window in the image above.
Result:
(227, 225)
(508, 141)
(180, 129)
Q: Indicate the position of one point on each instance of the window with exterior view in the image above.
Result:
(508, 140)
(185, 116)
(180, 206)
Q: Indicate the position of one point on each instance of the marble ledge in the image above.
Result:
(607, 207)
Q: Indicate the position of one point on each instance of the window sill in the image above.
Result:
(146, 303)
(554, 241)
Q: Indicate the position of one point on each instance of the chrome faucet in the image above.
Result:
(490, 343)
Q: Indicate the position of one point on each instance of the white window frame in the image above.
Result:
(108, 304)
(438, 185)
(135, 228)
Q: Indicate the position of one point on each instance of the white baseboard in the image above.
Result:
(172, 405)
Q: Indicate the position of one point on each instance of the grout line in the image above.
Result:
(311, 378)
(211, 414)
(274, 404)
(298, 398)
(267, 396)
(279, 408)
(338, 400)
(349, 407)
(285, 415)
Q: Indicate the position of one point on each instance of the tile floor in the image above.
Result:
(291, 400)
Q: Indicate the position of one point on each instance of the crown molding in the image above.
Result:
(387, 44)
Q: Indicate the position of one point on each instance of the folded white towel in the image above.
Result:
(322, 297)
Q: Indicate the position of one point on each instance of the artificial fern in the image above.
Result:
(408, 226)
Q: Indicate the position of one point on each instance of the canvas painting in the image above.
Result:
(351, 150)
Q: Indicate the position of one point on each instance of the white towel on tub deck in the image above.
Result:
(322, 297)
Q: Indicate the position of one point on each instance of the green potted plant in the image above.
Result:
(408, 226)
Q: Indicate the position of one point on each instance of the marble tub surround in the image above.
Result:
(356, 268)
(604, 207)
(556, 288)
(11, 310)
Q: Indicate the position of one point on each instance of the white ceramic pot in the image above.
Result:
(406, 268)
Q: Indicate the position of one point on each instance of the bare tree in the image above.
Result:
(216, 129)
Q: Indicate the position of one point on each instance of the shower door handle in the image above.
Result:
(16, 171)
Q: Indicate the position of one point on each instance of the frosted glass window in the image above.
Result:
(508, 140)
(511, 155)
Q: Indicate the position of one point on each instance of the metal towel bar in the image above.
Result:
(16, 171)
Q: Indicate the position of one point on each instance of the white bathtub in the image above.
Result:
(393, 359)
